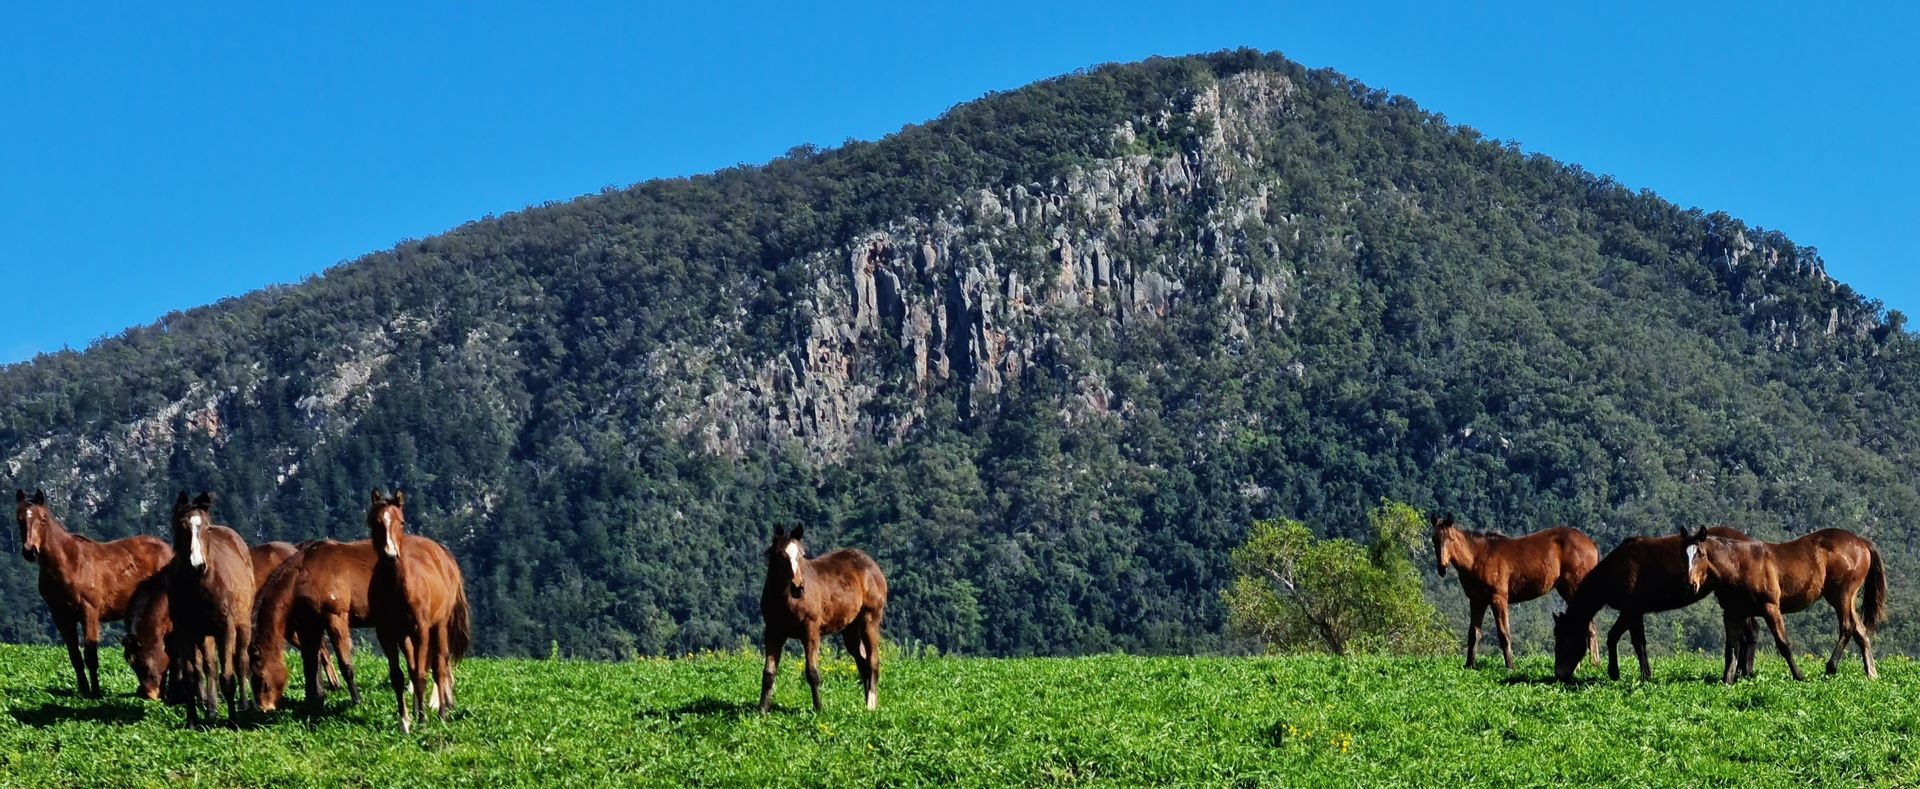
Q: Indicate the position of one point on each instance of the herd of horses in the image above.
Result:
(208, 615)
(1749, 578)
(208, 612)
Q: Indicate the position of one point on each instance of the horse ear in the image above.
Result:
(205, 501)
(19, 496)
(180, 501)
(399, 498)
(377, 496)
(779, 531)
(40, 497)
(797, 530)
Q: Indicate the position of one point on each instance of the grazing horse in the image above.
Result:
(1767, 579)
(1497, 570)
(319, 594)
(418, 604)
(84, 582)
(841, 592)
(151, 622)
(1642, 575)
(210, 597)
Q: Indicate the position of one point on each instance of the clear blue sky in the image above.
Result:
(155, 158)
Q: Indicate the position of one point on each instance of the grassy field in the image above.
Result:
(1104, 720)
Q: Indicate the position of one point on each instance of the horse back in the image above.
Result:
(856, 573)
(332, 578)
(267, 557)
(116, 569)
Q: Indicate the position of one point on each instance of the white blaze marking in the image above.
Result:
(793, 558)
(1693, 552)
(196, 555)
(392, 547)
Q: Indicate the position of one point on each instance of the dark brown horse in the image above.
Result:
(1768, 579)
(418, 604)
(1642, 575)
(318, 595)
(1497, 570)
(841, 592)
(210, 597)
(151, 621)
(84, 582)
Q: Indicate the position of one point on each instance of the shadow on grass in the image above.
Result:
(118, 712)
(707, 708)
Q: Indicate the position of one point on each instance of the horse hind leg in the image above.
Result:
(1848, 625)
(1500, 627)
(442, 700)
(341, 638)
(417, 662)
(855, 637)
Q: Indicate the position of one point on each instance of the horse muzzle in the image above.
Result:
(30, 554)
(796, 591)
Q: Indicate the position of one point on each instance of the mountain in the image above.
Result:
(1046, 358)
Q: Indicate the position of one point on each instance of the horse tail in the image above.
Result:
(460, 629)
(1876, 600)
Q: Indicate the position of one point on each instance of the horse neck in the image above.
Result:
(57, 546)
(270, 626)
(1468, 552)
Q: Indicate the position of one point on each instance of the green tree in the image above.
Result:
(1294, 591)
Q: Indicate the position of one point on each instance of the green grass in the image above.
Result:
(1109, 720)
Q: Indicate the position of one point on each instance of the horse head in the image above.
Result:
(31, 513)
(190, 523)
(787, 560)
(387, 522)
(1444, 533)
(1700, 551)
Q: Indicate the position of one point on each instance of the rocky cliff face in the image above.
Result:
(980, 294)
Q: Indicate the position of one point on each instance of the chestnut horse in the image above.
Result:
(150, 621)
(1767, 579)
(84, 582)
(318, 595)
(418, 604)
(1497, 570)
(841, 592)
(210, 597)
(1642, 575)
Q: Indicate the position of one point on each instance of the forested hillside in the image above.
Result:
(1046, 358)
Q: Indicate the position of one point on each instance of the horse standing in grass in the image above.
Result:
(1497, 570)
(1642, 575)
(150, 622)
(319, 594)
(841, 592)
(1768, 579)
(210, 597)
(418, 604)
(84, 582)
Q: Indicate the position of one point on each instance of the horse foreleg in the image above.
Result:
(1500, 627)
(813, 667)
(1473, 631)
(90, 639)
(1621, 625)
(417, 662)
(774, 644)
(1729, 651)
(70, 632)
(855, 637)
(1778, 625)
(397, 678)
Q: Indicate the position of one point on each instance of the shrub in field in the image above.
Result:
(1297, 592)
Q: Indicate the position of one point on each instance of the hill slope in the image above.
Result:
(1045, 357)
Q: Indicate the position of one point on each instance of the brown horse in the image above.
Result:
(210, 597)
(1767, 579)
(318, 595)
(841, 592)
(1642, 575)
(418, 604)
(1497, 570)
(84, 582)
(151, 622)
